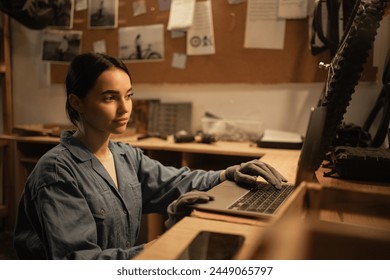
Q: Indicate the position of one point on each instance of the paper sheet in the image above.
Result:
(100, 46)
(178, 34)
(181, 14)
(200, 37)
(179, 60)
(281, 136)
(291, 9)
(263, 29)
(81, 5)
(139, 7)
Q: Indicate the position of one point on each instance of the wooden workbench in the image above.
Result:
(365, 205)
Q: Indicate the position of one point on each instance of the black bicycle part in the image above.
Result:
(346, 66)
(382, 105)
(331, 37)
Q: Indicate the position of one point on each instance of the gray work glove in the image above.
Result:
(246, 174)
(178, 208)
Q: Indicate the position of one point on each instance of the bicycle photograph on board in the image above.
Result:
(141, 43)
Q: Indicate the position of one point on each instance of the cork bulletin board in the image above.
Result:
(231, 63)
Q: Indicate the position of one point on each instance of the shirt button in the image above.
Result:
(128, 244)
(102, 211)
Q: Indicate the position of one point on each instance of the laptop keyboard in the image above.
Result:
(263, 199)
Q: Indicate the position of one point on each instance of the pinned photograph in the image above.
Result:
(103, 14)
(60, 45)
(63, 14)
(142, 43)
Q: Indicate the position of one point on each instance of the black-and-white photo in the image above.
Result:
(103, 14)
(142, 43)
(63, 14)
(61, 45)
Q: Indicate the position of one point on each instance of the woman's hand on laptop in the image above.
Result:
(178, 208)
(247, 174)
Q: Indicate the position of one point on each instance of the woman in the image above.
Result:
(85, 197)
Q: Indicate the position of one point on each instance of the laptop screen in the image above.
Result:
(311, 155)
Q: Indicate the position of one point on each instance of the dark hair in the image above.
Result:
(83, 73)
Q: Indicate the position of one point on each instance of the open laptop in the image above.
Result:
(228, 195)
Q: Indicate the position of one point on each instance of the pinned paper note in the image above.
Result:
(292, 9)
(177, 34)
(99, 46)
(263, 28)
(139, 7)
(81, 5)
(179, 60)
(181, 14)
(200, 37)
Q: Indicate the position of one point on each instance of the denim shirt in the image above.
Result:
(71, 208)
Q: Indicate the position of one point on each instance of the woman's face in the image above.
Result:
(107, 106)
